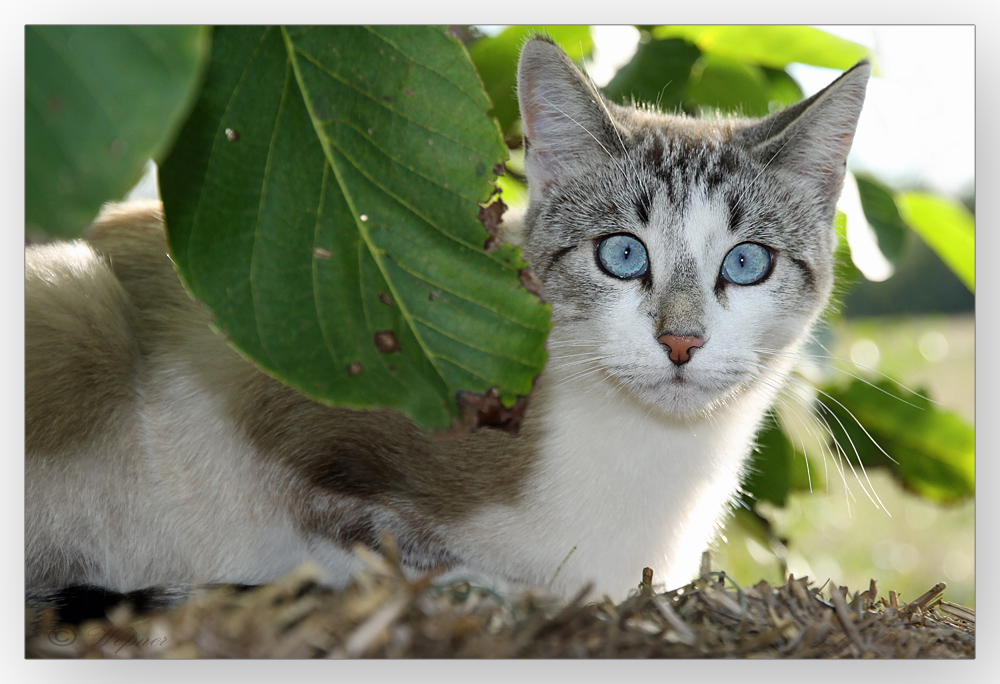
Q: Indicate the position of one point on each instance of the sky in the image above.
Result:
(918, 125)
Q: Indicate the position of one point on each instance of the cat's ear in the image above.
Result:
(566, 122)
(811, 139)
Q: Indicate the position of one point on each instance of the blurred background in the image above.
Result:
(906, 305)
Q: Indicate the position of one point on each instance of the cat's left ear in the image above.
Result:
(811, 139)
(567, 124)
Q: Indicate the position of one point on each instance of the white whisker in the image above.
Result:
(804, 355)
(607, 112)
(614, 160)
(786, 392)
(872, 495)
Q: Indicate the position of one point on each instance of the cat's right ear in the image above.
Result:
(811, 139)
(566, 123)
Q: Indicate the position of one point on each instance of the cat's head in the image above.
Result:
(680, 256)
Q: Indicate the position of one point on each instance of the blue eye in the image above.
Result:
(623, 256)
(747, 264)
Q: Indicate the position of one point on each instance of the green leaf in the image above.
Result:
(658, 74)
(514, 193)
(769, 475)
(323, 201)
(783, 90)
(730, 85)
(933, 449)
(845, 273)
(771, 46)
(496, 58)
(776, 468)
(883, 216)
(947, 227)
(99, 102)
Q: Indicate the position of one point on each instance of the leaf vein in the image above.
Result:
(466, 343)
(359, 225)
(444, 77)
(407, 205)
(264, 186)
(395, 160)
(444, 288)
(382, 103)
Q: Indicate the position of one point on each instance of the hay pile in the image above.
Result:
(383, 615)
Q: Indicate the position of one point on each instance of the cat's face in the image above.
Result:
(680, 257)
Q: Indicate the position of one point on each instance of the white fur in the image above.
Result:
(626, 486)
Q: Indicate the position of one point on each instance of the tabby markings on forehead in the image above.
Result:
(735, 212)
(683, 164)
(643, 202)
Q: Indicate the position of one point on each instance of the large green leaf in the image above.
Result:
(323, 201)
(100, 101)
(658, 73)
(947, 227)
(724, 83)
(776, 468)
(932, 450)
(845, 273)
(883, 216)
(496, 58)
(772, 46)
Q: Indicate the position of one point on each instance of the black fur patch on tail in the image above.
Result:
(77, 604)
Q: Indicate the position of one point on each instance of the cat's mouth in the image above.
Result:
(680, 382)
(679, 390)
(683, 391)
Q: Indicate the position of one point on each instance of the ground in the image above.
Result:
(383, 615)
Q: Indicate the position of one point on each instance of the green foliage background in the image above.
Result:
(323, 188)
(100, 101)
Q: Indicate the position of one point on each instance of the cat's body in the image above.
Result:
(156, 455)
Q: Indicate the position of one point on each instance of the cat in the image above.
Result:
(685, 261)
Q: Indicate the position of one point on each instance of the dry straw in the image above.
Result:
(385, 615)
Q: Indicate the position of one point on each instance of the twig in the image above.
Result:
(927, 597)
(844, 616)
(684, 633)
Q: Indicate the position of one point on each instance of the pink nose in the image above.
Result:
(680, 346)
